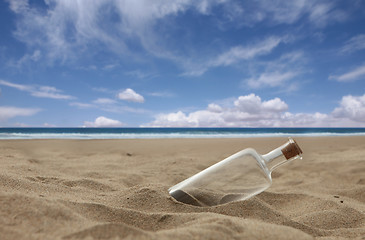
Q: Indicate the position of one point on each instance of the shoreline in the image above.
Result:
(172, 133)
(197, 137)
(188, 138)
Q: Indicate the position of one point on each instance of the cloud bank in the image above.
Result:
(252, 111)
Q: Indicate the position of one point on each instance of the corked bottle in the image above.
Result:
(236, 178)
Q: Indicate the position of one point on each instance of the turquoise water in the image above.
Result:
(130, 133)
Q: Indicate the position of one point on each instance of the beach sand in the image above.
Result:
(117, 189)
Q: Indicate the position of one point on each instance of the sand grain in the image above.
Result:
(117, 189)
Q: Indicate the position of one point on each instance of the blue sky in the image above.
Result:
(183, 63)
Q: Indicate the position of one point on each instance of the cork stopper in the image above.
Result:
(291, 150)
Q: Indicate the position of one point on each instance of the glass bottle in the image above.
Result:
(238, 177)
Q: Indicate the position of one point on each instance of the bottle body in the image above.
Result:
(235, 178)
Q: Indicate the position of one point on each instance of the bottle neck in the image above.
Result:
(283, 154)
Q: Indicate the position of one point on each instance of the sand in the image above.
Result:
(117, 189)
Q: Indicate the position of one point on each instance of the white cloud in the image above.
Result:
(131, 96)
(104, 104)
(34, 57)
(246, 111)
(270, 79)
(285, 72)
(104, 101)
(38, 91)
(50, 29)
(356, 43)
(67, 28)
(103, 122)
(7, 112)
(237, 54)
(82, 105)
(165, 94)
(16, 86)
(103, 90)
(251, 111)
(110, 66)
(50, 92)
(243, 53)
(18, 6)
(320, 14)
(274, 105)
(356, 74)
(141, 74)
(351, 107)
(282, 11)
(214, 108)
(253, 104)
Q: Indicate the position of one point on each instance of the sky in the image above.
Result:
(182, 63)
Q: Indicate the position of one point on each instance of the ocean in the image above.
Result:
(138, 133)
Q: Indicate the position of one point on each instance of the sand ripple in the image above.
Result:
(78, 195)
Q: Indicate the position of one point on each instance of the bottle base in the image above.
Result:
(202, 198)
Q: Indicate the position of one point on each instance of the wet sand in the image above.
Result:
(117, 189)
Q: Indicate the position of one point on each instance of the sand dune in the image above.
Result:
(117, 189)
